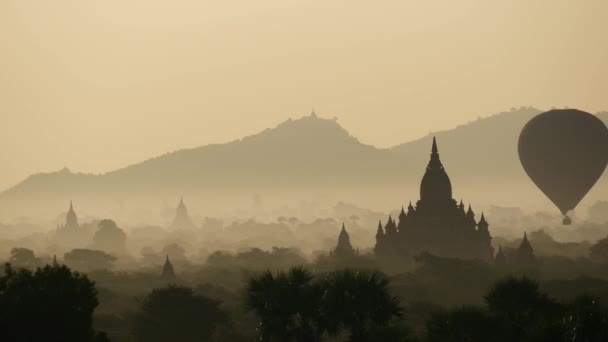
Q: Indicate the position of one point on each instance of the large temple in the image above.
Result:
(437, 225)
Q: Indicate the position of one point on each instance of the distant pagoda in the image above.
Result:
(343, 248)
(501, 258)
(437, 225)
(182, 220)
(71, 222)
(524, 255)
(168, 273)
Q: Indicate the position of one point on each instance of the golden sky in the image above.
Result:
(96, 85)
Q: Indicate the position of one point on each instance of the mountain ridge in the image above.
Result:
(308, 151)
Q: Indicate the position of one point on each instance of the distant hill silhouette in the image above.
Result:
(305, 152)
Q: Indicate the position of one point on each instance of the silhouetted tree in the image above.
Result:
(292, 306)
(177, 314)
(518, 311)
(110, 238)
(49, 304)
(293, 221)
(88, 259)
(523, 312)
(23, 257)
(355, 300)
(287, 305)
(257, 259)
(462, 324)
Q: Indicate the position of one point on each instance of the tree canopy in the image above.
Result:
(176, 313)
(295, 306)
(50, 304)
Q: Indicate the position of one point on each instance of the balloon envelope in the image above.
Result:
(564, 152)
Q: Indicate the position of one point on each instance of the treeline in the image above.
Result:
(53, 303)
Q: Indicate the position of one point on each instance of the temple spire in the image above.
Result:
(435, 161)
(71, 221)
(483, 225)
(470, 216)
(344, 247)
(410, 209)
(525, 252)
(435, 185)
(182, 220)
(500, 258)
(168, 273)
(391, 226)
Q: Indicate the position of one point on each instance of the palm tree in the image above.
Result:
(354, 300)
(287, 305)
(293, 306)
(523, 311)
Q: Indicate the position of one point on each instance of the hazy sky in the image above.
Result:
(96, 85)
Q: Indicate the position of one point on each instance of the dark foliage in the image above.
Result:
(177, 314)
(523, 311)
(89, 259)
(462, 324)
(355, 300)
(48, 304)
(23, 257)
(587, 320)
(294, 306)
(287, 304)
(517, 310)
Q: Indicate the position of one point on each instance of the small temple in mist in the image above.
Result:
(71, 222)
(168, 273)
(182, 220)
(437, 225)
(71, 233)
(344, 247)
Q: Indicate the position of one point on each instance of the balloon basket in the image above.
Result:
(567, 221)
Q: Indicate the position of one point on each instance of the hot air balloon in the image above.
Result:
(564, 152)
